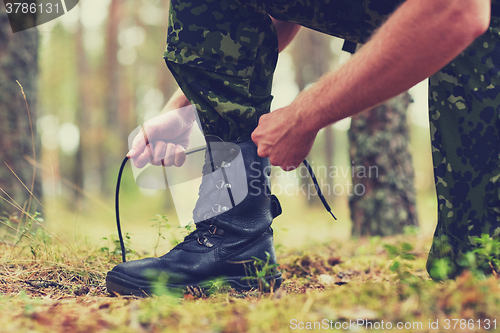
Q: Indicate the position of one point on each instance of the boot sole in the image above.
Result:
(121, 284)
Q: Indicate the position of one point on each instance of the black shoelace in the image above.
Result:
(117, 194)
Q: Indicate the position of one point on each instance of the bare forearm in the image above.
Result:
(420, 38)
(286, 32)
(177, 101)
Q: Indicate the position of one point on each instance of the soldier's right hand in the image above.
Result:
(164, 139)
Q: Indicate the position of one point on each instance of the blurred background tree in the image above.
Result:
(18, 62)
(383, 202)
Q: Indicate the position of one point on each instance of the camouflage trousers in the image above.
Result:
(223, 54)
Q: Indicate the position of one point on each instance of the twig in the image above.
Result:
(27, 189)
(33, 144)
(44, 284)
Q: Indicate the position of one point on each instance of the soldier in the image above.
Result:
(223, 54)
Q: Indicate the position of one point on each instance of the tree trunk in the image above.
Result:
(82, 118)
(383, 195)
(18, 61)
(110, 131)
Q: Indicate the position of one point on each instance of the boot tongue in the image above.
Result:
(218, 154)
(224, 182)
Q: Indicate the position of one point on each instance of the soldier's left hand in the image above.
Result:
(282, 137)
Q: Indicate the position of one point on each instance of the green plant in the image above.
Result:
(216, 286)
(160, 222)
(263, 270)
(113, 241)
(188, 228)
(483, 259)
(441, 269)
(400, 257)
(487, 252)
(20, 227)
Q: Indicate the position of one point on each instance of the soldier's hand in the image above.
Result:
(280, 136)
(164, 139)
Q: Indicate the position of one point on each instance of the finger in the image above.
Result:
(138, 144)
(263, 118)
(290, 167)
(255, 136)
(145, 157)
(160, 149)
(286, 166)
(262, 152)
(180, 156)
(169, 155)
(132, 153)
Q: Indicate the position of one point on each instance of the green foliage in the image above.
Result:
(487, 253)
(23, 226)
(161, 222)
(216, 286)
(262, 270)
(164, 227)
(401, 255)
(441, 269)
(159, 282)
(481, 260)
(188, 228)
(113, 247)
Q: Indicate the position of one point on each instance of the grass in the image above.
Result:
(45, 287)
(52, 277)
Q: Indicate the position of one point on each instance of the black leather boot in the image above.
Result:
(233, 217)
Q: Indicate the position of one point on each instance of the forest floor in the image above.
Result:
(359, 285)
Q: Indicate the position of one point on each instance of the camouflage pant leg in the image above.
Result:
(217, 50)
(223, 52)
(464, 105)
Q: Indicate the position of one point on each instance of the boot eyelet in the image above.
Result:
(220, 184)
(225, 164)
(207, 216)
(228, 185)
(205, 242)
(218, 209)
